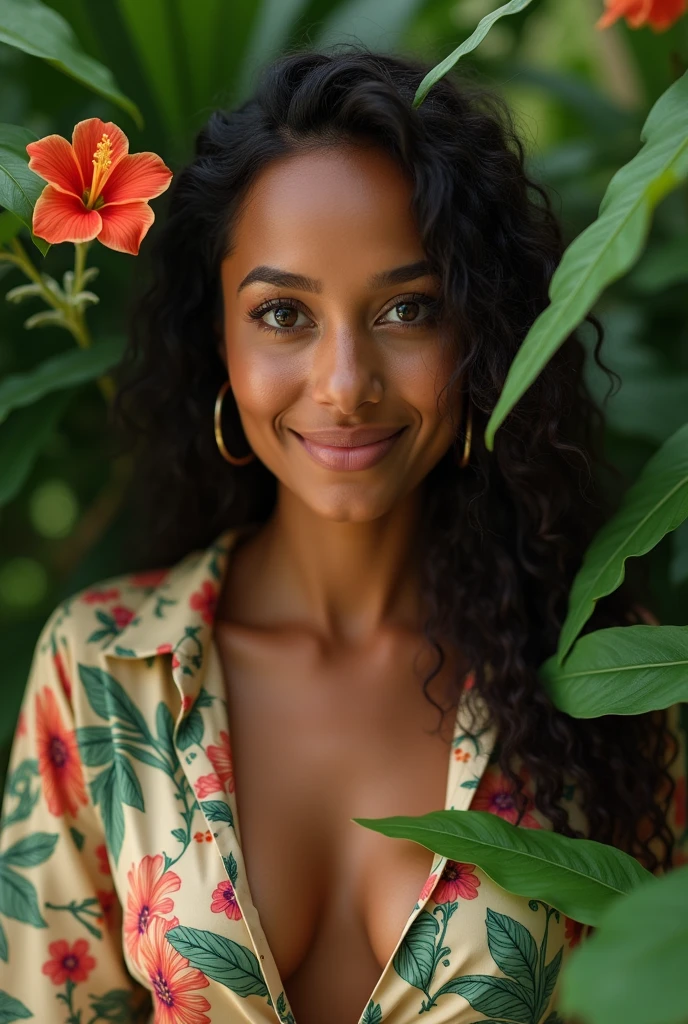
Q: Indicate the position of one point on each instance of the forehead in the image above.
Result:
(318, 210)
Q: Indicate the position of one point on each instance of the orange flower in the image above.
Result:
(496, 795)
(221, 760)
(457, 882)
(148, 898)
(658, 14)
(172, 981)
(58, 759)
(205, 601)
(72, 963)
(96, 188)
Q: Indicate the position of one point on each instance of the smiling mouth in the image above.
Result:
(347, 456)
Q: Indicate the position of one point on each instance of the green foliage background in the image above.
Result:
(580, 96)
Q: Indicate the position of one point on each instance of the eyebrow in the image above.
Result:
(285, 279)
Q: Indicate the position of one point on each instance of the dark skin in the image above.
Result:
(320, 623)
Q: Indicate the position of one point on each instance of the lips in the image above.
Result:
(350, 448)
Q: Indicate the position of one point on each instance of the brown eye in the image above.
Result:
(285, 316)
(407, 310)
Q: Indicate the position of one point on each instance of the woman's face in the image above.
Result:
(330, 337)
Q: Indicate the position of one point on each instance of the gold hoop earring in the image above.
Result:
(218, 431)
(467, 442)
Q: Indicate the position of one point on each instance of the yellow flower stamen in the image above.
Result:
(101, 166)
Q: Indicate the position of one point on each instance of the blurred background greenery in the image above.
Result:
(580, 97)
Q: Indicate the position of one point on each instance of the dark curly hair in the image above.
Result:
(504, 537)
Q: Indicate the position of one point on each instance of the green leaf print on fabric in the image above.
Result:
(19, 787)
(110, 701)
(415, 958)
(95, 745)
(523, 995)
(30, 851)
(114, 1006)
(104, 790)
(285, 1018)
(18, 898)
(231, 868)
(373, 1013)
(217, 810)
(164, 724)
(127, 783)
(190, 730)
(11, 1009)
(4, 948)
(221, 959)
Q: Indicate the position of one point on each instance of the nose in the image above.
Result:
(345, 373)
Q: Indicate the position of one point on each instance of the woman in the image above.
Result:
(357, 591)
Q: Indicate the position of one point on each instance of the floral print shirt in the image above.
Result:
(123, 890)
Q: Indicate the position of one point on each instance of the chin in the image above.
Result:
(348, 505)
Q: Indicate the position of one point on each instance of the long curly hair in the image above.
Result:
(504, 537)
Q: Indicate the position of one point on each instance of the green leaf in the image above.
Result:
(623, 670)
(190, 730)
(484, 26)
(164, 724)
(514, 951)
(109, 700)
(550, 979)
(127, 783)
(114, 1006)
(144, 755)
(150, 29)
(95, 745)
(11, 1009)
(66, 370)
(498, 997)
(111, 809)
(580, 877)
(23, 437)
(231, 868)
(37, 29)
(217, 810)
(381, 32)
(373, 1013)
(414, 961)
(18, 898)
(219, 958)
(30, 851)
(633, 968)
(654, 506)
(608, 247)
(19, 186)
(4, 948)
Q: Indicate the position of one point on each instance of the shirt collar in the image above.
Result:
(178, 614)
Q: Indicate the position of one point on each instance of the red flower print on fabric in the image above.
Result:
(58, 759)
(427, 888)
(147, 899)
(205, 601)
(103, 862)
(71, 963)
(22, 729)
(221, 759)
(150, 578)
(457, 883)
(207, 784)
(172, 981)
(573, 932)
(203, 837)
(100, 596)
(122, 616)
(106, 898)
(496, 795)
(163, 649)
(61, 672)
(224, 901)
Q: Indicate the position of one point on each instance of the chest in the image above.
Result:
(318, 738)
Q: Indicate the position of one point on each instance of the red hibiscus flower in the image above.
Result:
(457, 882)
(224, 901)
(427, 888)
(58, 759)
(221, 760)
(100, 596)
(205, 601)
(658, 14)
(106, 898)
(495, 794)
(147, 899)
(68, 962)
(172, 981)
(207, 784)
(96, 188)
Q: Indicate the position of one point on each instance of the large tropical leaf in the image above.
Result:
(624, 670)
(65, 370)
(31, 26)
(474, 40)
(20, 187)
(655, 505)
(378, 25)
(608, 247)
(23, 437)
(632, 970)
(579, 877)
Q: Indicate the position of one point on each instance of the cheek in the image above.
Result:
(263, 386)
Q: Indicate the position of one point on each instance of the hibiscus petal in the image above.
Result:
(137, 176)
(86, 136)
(53, 158)
(61, 217)
(125, 226)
